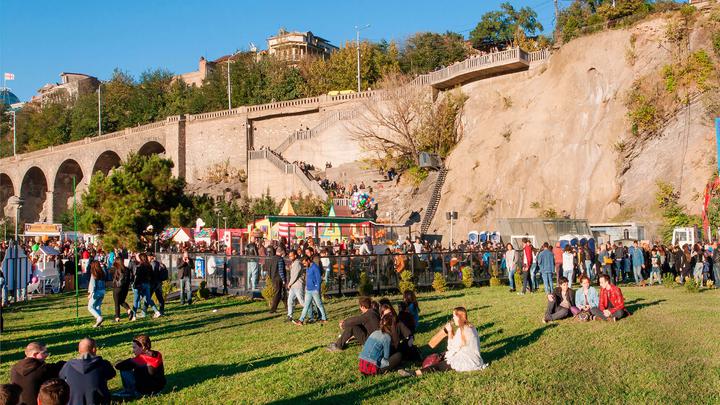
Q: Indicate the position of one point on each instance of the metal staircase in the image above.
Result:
(434, 201)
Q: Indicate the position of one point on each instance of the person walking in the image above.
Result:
(278, 278)
(527, 266)
(253, 267)
(312, 291)
(295, 285)
(185, 276)
(121, 287)
(143, 274)
(96, 292)
(159, 274)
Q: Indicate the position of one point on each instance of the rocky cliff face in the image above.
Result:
(549, 138)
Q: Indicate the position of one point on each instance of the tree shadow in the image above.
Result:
(510, 344)
(357, 395)
(200, 374)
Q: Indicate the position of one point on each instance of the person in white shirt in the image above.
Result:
(463, 348)
(568, 264)
(511, 265)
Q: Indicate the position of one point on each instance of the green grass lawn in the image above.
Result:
(667, 352)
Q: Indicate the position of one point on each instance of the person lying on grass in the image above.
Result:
(358, 327)
(375, 357)
(143, 374)
(463, 348)
(560, 302)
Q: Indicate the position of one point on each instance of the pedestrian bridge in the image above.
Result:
(481, 67)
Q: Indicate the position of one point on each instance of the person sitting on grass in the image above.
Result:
(30, 372)
(463, 348)
(144, 374)
(375, 357)
(358, 327)
(412, 304)
(586, 298)
(403, 340)
(560, 302)
(54, 392)
(406, 317)
(88, 375)
(10, 394)
(612, 303)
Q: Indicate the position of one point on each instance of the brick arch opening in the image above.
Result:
(63, 186)
(151, 148)
(33, 190)
(7, 190)
(107, 161)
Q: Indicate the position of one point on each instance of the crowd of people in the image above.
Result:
(83, 380)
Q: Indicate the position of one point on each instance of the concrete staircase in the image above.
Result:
(289, 169)
(329, 121)
(434, 202)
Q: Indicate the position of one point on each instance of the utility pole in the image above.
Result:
(357, 45)
(14, 131)
(557, 14)
(99, 112)
(228, 80)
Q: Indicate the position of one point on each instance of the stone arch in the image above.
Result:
(63, 186)
(33, 190)
(151, 148)
(105, 162)
(7, 190)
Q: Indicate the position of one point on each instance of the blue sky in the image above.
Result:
(41, 38)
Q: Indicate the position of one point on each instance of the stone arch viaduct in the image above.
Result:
(195, 143)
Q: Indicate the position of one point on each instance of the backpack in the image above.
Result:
(162, 274)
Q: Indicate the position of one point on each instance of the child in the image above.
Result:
(412, 305)
(655, 261)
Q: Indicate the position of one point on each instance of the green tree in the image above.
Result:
(120, 206)
(426, 51)
(673, 213)
(505, 26)
(84, 117)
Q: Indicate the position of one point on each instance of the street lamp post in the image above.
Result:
(14, 131)
(451, 215)
(357, 45)
(99, 112)
(229, 91)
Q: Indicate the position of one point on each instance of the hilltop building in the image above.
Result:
(71, 86)
(294, 46)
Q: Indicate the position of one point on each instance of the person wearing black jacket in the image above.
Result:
(159, 274)
(560, 302)
(358, 327)
(121, 288)
(30, 372)
(141, 284)
(185, 267)
(279, 278)
(88, 375)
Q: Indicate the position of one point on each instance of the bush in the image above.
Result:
(439, 284)
(269, 291)
(518, 279)
(709, 284)
(203, 293)
(167, 288)
(669, 281)
(691, 285)
(365, 287)
(416, 175)
(406, 282)
(467, 276)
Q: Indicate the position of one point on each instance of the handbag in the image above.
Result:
(431, 360)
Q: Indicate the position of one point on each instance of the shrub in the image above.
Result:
(669, 281)
(416, 175)
(709, 284)
(203, 293)
(406, 282)
(691, 285)
(495, 276)
(518, 279)
(467, 276)
(365, 287)
(167, 288)
(269, 291)
(439, 284)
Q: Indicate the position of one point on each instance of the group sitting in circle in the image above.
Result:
(586, 303)
(83, 380)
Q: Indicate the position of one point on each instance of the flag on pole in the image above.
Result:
(9, 76)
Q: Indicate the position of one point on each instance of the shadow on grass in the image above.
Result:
(354, 396)
(200, 374)
(510, 344)
(639, 303)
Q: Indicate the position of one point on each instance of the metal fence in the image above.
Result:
(341, 274)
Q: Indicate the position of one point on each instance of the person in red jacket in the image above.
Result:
(144, 374)
(612, 303)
